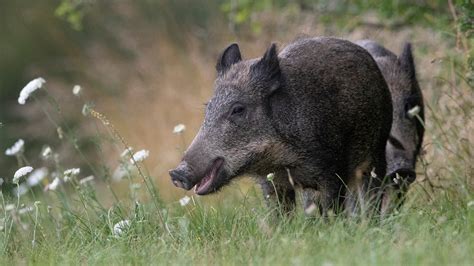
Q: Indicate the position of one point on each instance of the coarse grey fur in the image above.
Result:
(319, 111)
(406, 136)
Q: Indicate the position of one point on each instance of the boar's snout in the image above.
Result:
(181, 176)
(205, 180)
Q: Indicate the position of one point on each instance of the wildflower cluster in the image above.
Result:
(16, 149)
(31, 87)
(53, 183)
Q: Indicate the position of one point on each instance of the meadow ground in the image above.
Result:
(128, 213)
(425, 232)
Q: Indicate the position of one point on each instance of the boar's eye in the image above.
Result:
(237, 110)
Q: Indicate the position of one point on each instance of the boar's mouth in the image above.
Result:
(207, 183)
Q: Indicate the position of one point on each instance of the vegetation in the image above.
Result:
(92, 200)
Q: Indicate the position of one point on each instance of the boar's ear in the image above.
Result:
(268, 68)
(406, 60)
(230, 56)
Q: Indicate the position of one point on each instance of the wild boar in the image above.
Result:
(319, 111)
(406, 136)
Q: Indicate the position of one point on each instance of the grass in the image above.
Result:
(437, 232)
(79, 222)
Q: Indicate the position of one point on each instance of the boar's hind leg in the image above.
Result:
(279, 193)
(366, 185)
(331, 192)
(380, 185)
(357, 188)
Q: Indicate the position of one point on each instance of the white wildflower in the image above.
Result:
(1, 181)
(179, 128)
(21, 190)
(127, 152)
(119, 173)
(184, 200)
(25, 210)
(86, 110)
(140, 156)
(21, 172)
(270, 176)
(372, 173)
(60, 132)
(71, 173)
(36, 176)
(414, 111)
(397, 179)
(16, 148)
(9, 207)
(29, 89)
(76, 90)
(121, 227)
(53, 185)
(86, 180)
(135, 186)
(470, 203)
(46, 152)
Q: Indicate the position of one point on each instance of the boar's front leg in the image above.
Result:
(279, 193)
(322, 186)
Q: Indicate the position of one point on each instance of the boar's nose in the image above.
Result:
(179, 179)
